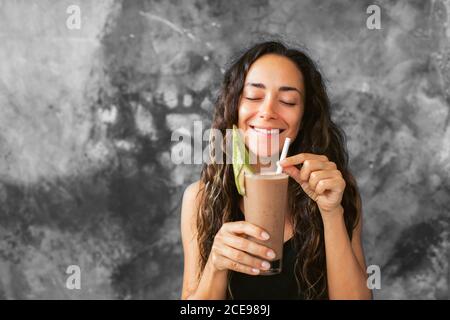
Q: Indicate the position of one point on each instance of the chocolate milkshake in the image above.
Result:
(265, 205)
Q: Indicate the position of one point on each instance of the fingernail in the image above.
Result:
(271, 254)
(265, 235)
(254, 270)
(265, 265)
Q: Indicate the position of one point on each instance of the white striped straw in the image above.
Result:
(284, 152)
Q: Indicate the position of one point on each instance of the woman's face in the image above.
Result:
(272, 98)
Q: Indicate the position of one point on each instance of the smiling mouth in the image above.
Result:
(267, 131)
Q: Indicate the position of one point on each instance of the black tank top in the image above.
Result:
(274, 287)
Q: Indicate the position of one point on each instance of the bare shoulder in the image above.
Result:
(192, 194)
(189, 212)
(190, 205)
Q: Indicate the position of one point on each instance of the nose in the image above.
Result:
(268, 109)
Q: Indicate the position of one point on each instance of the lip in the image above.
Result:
(266, 131)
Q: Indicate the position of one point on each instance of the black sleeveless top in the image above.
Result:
(274, 287)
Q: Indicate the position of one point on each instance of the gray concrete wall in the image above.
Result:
(86, 118)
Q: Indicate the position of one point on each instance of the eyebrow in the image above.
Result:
(283, 88)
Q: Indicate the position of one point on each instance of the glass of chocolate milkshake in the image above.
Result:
(265, 205)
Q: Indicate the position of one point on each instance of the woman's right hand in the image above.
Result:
(233, 251)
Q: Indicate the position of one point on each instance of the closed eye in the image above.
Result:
(284, 102)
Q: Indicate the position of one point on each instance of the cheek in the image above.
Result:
(298, 118)
(244, 113)
(294, 119)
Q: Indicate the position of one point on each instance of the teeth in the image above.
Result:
(266, 131)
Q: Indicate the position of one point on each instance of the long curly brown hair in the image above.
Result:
(219, 199)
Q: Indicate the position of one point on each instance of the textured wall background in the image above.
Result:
(86, 118)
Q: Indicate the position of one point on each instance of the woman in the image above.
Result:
(272, 86)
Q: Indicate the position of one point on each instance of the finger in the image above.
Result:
(242, 257)
(317, 176)
(334, 184)
(302, 157)
(314, 165)
(294, 173)
(244, 227)
(248, 246)
(236, 266)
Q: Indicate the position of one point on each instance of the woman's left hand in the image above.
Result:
(319, 178)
